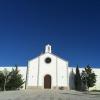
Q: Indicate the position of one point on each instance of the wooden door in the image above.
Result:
(47, 82)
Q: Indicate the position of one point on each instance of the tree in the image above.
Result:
(15, 81)
(10, 80)
(84, 80)
(91, 77)
(77, 79)
(6, 75)
(71, 80)
(1, 81)
(4, 78)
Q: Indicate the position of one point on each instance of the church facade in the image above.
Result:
(48, 71)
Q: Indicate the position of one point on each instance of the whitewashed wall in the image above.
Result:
(62, 80)
(62, 72)
(32, 72)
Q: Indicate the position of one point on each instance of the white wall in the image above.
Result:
(32, 72)
(62, 72)
(58, 79)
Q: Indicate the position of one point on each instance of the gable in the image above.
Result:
(51, 55)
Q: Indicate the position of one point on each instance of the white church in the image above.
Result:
(49, 71)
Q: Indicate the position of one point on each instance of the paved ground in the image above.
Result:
(48, 95)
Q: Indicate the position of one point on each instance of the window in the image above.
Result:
(48, 60)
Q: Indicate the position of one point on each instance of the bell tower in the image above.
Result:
(48, 48)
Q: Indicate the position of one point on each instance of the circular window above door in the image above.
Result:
(48, 60)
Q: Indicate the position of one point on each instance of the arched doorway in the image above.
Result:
(47, 82)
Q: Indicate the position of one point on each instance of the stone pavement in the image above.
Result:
(48, 95)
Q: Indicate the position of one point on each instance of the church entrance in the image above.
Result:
(47, 82)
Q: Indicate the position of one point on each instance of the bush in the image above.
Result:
(11, 81)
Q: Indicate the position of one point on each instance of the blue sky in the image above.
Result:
(72, 27)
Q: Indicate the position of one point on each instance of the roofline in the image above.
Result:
(48, 53)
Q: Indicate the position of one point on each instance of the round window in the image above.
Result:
(48, 60)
